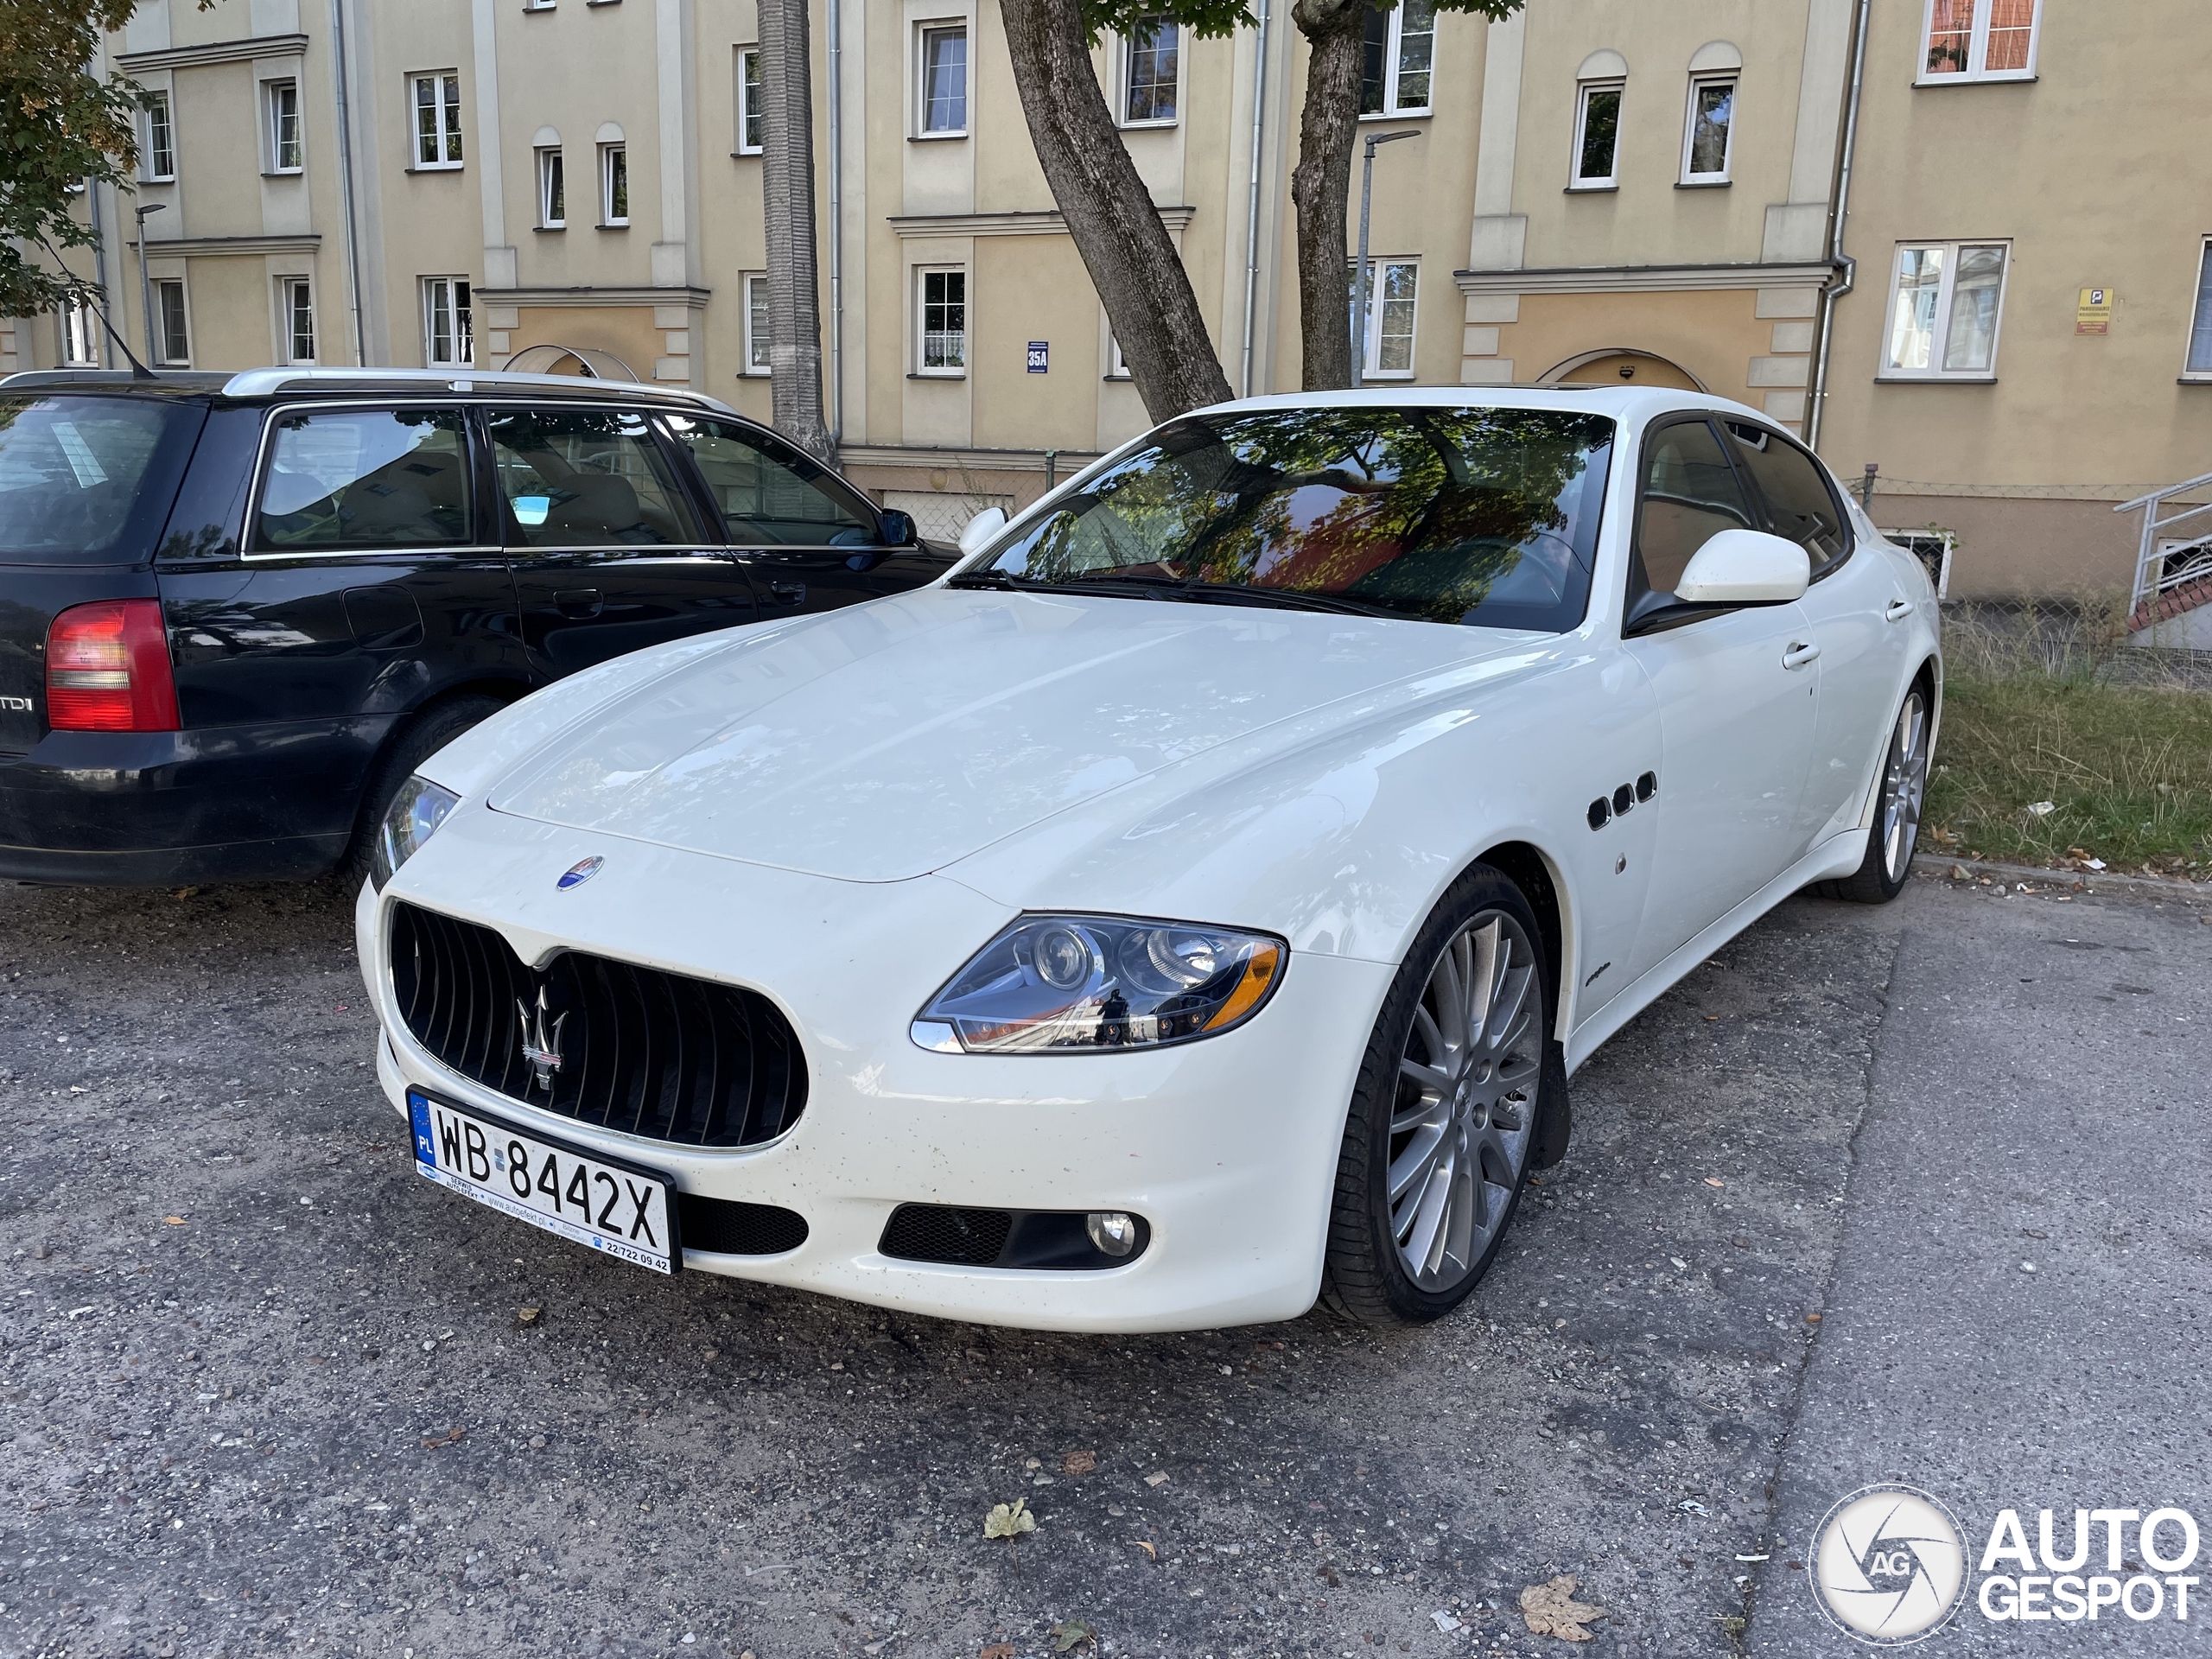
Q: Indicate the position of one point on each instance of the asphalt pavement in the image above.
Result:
(265, 1390)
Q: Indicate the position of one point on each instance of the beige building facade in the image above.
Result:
(1593, 189)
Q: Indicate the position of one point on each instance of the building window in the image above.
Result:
(1392, 285)
(1117, 367)
(281, 101)
(1945, 302)
(1711, 130)
(943, 324)
(448, 326)
(160, 140)
(749, 100)
(756, 323)
(613, 184)
(944, 81)
(1980, 39)
(1401, 47)
(172, 338)
(1149, 59)
(296, 299)
(1597, 134)
(80, 335)
(552, 192)
(2200, 331)
(438, 120)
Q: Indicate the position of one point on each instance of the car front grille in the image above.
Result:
(672, 1058)
(726, 1227)
(933, 1232)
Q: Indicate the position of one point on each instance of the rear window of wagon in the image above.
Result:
(89, 480)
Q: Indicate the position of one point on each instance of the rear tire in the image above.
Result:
(1894, 834)
(1445, 1116)
(427, 734)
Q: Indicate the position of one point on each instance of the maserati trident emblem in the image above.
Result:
(540, 1049)
(580, 872)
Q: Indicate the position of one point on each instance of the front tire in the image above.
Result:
(429, 732)
(1437, 1143)
(1894, 834)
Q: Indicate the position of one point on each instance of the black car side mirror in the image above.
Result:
(895, 528)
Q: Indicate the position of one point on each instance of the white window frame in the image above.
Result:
(1582, 93)
(610, 157)
(2196, 299)
(747, 115)
(1125, 88)
(1977, 48)
(1371, 340)
(550, 160)
(149, 151)
(288, 291)
(158, 287)
(538, 5)
(272, 121)
(1939, 340)
(1117, 367)
(922, 368)
(922, 32)
(446, 293)
(753, 284)
(1394, 66)
(1733, 80)
(80, 334)
(446, 135)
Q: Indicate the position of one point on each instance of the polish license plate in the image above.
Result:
(620, 1208)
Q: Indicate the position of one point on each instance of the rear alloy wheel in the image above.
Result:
(1896, 832)
(1438, 1140)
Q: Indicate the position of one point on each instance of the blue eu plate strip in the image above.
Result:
(419, 1109)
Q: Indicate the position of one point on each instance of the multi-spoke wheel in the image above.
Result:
(1896, 832)
(1437, 1139)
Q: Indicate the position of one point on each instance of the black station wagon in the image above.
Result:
(237, 611)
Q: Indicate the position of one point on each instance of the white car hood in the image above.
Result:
(888, 740)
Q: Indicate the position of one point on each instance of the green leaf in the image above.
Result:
(1009, 1521)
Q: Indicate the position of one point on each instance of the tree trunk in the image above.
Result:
(1321, 186)
(787, 187)
(1132, 262)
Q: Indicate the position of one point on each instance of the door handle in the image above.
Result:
(1898, 609)
(1799, 653)
(789, 593)
(580, 602)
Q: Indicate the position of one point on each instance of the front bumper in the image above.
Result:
(1227, 1147)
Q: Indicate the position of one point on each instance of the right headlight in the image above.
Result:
(413, 818)
(1075, 984)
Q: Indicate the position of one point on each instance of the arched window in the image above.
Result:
(1600, 84)
(1709, 128)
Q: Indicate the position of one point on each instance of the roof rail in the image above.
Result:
(188, 380)
(264, 383)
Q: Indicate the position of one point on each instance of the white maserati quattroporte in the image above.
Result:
(1195, 903)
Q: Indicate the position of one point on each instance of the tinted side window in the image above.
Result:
(1690, 495)
(359, 479)
(586, 478)
(769, 491)
(1797, 497)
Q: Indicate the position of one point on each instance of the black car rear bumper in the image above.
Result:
(262, 802)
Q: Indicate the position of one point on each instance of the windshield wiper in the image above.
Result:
(1107, 586)
(1286, 599)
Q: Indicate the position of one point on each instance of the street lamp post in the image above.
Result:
(1359, 289)
(145, 283)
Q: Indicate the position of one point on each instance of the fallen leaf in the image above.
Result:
(997, 1650)
(451, 1436)
(528, 1315)
(1155, 1480)
(1072, 1634)
(1714, 1180)
(1550, 1608)
(173, 1220)
(1079, 1463)
(1009, 1521)
(1147, 1547)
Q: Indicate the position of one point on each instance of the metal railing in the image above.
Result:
(2160, 568)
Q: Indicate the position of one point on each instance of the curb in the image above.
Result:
(1939, 870)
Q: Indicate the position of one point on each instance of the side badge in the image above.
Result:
(579, 873)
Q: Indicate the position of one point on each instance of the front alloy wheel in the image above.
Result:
(1437, 1142)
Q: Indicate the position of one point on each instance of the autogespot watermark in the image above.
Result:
(1891, 1566)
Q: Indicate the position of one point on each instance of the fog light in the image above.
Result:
(1112, 1231)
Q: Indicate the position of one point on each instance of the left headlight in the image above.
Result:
(413, 818)
(1071, 984)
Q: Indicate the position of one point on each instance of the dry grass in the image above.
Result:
(2052, 706)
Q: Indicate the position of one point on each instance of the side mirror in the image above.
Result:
(895, 528)
(1744, 567)
(980, 529)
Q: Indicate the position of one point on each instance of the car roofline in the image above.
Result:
(249, 384)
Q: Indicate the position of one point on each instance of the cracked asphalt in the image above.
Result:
(265, 1390)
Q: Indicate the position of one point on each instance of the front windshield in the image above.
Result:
(1487, 518)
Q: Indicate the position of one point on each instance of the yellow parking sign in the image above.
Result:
(2092, 316)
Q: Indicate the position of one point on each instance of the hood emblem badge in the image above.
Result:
(580, 872)
(540, 1049)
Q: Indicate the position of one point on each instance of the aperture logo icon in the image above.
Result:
(1890, 1566)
